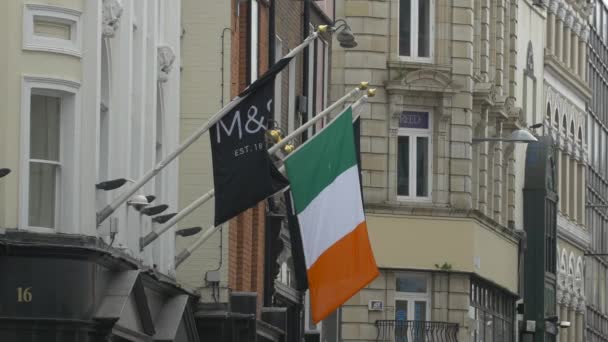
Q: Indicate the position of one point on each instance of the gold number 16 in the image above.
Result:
(24, 295)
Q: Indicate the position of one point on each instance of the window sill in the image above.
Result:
(38, 229)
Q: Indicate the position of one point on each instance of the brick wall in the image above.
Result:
(246, 239)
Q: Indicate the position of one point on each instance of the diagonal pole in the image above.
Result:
(185, 253)
(146, 240)
(110, 208)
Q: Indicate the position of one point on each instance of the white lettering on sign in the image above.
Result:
(252, 125)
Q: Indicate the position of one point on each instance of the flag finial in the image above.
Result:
(363, 85)
(322, 28)
(371, 92)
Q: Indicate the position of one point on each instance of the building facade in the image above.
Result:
(444, 209)
(595, 282)
(565, 96)
(89, 95)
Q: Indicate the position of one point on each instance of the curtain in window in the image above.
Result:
(44, 156)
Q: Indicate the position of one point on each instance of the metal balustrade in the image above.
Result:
(416, 331)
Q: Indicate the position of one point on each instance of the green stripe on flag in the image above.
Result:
(317, 163)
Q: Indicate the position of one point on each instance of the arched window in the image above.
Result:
(580, 135)
(549, 112)
(572, 128)
(556, 119)
(104, 114)
(564, 124)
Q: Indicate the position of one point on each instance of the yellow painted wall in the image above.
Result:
(14, 63)
(203, 23)
(422, 242)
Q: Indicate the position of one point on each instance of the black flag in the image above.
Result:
(243, 173)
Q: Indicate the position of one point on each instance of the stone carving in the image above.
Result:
(576, 27)
(584, 33)
(553, 4)
(588, 9)
(561, 11)
(569, 19)
(530, 59)
(166, 57)
(112, 11)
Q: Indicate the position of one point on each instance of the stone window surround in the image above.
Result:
(415, 133)
(62, 15)
(413, 296)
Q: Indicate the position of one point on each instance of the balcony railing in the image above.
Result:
(416, 331)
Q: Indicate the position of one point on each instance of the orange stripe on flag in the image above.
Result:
(340, 272)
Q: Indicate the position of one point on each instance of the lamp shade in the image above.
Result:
(521, 135)
(4, 172)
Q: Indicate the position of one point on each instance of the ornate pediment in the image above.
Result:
(422, 80)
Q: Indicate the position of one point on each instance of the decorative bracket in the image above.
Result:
(112, 11)
(166, 57)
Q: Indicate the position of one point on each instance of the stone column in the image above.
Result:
(580, 321)
(583, 184)
(583, 52)
(573, 209)
(565, 182)
(511, 195)
(552, 10)
(483, 164)
(572, 319)
(513, 35)
(484, 65)
(567, 38)
(559, 30)
(563, 316)
(575, 46)
(500, 46)
(497, 206)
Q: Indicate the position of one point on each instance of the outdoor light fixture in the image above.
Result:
(138, 202)
(151, 211)
(4, 172)
(564, 324)
(346, 38)
(188, 231)
(111, 184)
(535, 126)
(150, 198)
(518, 136)
(163, 218)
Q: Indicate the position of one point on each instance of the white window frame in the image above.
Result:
(291, 114)
(414, 33)
(278, 84)
(67, 206)
(254, 31)
(414, 296)
(414, 133)
(62, 15)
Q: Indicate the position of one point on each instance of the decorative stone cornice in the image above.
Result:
(112, 11)
(166, 57)
(588, 9)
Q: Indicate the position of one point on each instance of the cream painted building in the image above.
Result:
(205, 88)
(565, 94)
(444, 211)
(89, 93)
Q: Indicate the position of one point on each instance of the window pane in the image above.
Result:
(424, 28)
(44, 128)
(422, 166)
(405, 9)
(411, 283)
(420, 311)
(403, 166)
(400, 317)
(42, 195)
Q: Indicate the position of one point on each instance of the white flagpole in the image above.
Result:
(185, 253)
(110, 208)
(146, 240)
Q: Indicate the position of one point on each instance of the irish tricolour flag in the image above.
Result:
(327, 197)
